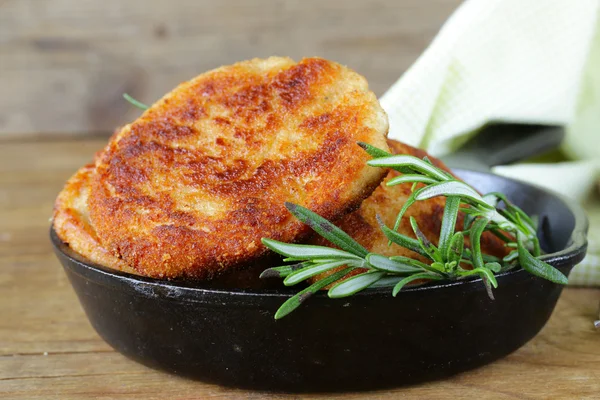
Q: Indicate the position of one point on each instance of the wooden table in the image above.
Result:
(48, 350)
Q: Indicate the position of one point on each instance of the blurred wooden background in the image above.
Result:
(64, 64)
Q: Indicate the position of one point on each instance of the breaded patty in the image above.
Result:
(72, 221)
(386, 201)
(190, 188)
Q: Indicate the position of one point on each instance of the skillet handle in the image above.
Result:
(505, 143)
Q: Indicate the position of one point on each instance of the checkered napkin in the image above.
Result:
(525, 61)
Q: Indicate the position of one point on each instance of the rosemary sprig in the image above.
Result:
(450, 260)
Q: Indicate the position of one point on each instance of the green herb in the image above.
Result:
(135, 102)
(445, 261)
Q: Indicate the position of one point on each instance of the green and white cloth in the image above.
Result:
(516, 61)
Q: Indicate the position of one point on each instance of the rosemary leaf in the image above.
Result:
(491, 199)
(469, 219)
(438, 267)
(509, 205)
(536, 247)
(283, 271)
(413, 163)
(387, 281)
(484, 273)
(536, 266)
(453, 188)
(470, 212)
(499, 234)
(373, 151)
(455, 249)
(411, 261)
(448, 223)
(355, 284)
(489, 276)
(377, 153)
(326, 229)
(493, 266)
(309, 271)
(305, 251)
(385, 264)
(400, 239)
(425, 244)
(135, 103)
(411, 278)
(524, 224)
(513, 255)
(409, 202)
(294, 302)
(509, 216)
(410, 178)
(475, 238)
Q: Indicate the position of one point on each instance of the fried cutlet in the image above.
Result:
(190, 188)
(72, 221)
(386, 201)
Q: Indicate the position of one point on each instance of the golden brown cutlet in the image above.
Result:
(386, 201)
(72, 222)
(190, 188)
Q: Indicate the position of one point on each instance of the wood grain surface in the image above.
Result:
(48, 350)
(64, 64)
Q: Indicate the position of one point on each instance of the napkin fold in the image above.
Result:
(523, 61)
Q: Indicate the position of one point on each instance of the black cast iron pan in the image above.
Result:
(368, 341)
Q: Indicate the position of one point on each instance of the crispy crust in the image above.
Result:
(386, 201)
(72, 222)
(191, 187)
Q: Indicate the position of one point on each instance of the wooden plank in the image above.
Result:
(64, 65)
(39, 311)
